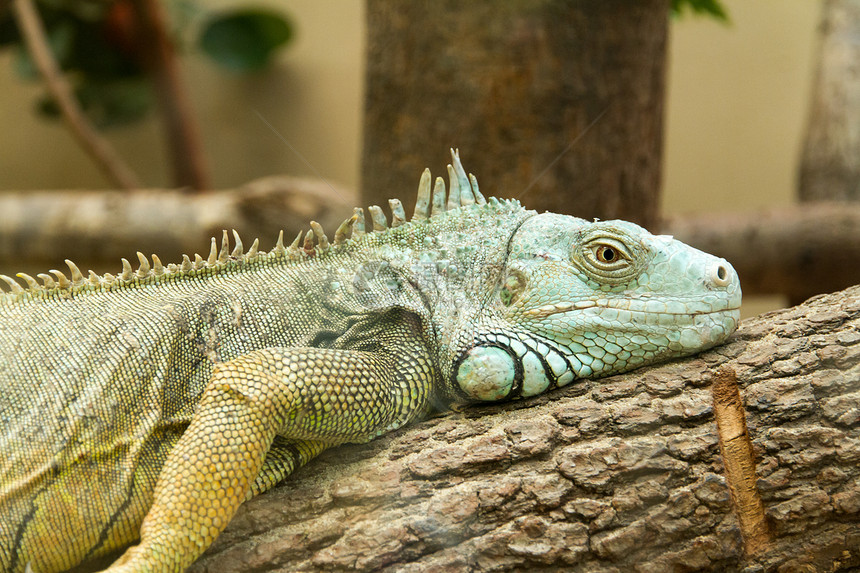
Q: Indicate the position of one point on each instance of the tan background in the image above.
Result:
(735, 116)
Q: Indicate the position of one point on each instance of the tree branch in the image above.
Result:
(183, 138)
(618, 474)
(39, 229)
(110, 163)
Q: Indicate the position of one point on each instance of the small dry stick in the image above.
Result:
(99, 149)
(738, 460)
(159, 56)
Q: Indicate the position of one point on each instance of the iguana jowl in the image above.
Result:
(153, 403)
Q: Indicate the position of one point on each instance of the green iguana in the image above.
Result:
(149, 405)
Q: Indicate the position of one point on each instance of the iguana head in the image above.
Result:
(589, 299)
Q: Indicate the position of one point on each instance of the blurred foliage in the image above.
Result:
(712, 8)
(244, 40)
(97, 44)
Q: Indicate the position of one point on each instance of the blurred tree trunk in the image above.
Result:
(830, 167)
(560, 103)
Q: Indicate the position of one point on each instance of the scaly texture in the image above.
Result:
(606, 476)
(153, 403)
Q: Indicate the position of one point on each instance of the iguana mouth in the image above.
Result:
(650, 307)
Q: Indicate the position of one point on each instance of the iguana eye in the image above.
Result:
(607, 259)
(606, 254)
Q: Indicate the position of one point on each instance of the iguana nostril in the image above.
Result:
(721, 274)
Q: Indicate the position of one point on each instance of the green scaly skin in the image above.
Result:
(150, 405)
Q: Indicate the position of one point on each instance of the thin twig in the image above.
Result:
(159, 57)
(739, 461)
(111, 164)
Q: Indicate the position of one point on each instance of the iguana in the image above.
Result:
(149, 405)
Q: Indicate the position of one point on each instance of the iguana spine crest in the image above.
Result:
(429, 205)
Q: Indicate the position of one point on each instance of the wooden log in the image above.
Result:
(618, 474)
(40, 229)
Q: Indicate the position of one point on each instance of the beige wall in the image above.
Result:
(737, 104)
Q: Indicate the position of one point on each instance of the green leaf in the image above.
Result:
(61, 38)
(711, 8)
(115, 102)
(245, 39)
(106, 103)
(8, 29)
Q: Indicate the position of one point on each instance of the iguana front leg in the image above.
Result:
(316, 397)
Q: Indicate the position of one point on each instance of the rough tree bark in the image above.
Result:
(619, 474)
(559, 100)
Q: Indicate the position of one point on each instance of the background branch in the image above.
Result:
(797, 251)
(183, 139)
(110, 163)
(39, 229)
